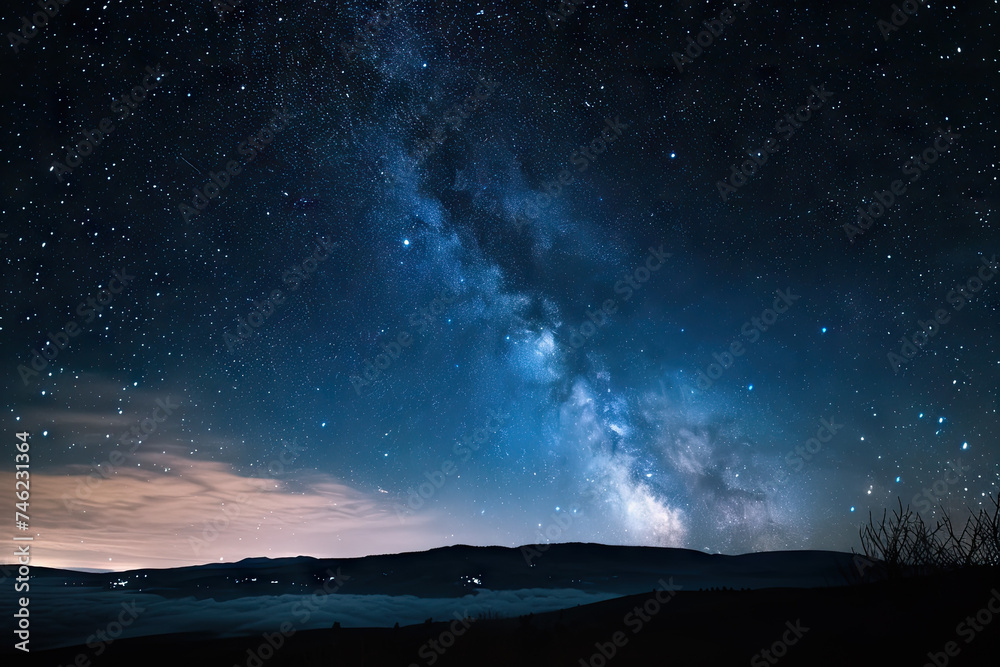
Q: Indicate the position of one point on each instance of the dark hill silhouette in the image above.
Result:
(439, 572)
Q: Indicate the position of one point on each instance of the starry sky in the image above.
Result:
(380, 278)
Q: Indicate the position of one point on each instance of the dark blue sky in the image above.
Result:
(524, 244)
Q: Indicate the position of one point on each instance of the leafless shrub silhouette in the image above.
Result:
(903, 545)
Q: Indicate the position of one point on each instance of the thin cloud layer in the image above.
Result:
(166, 510)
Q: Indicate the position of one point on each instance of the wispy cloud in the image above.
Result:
(146, 514)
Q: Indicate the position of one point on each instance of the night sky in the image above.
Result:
(464, 280)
